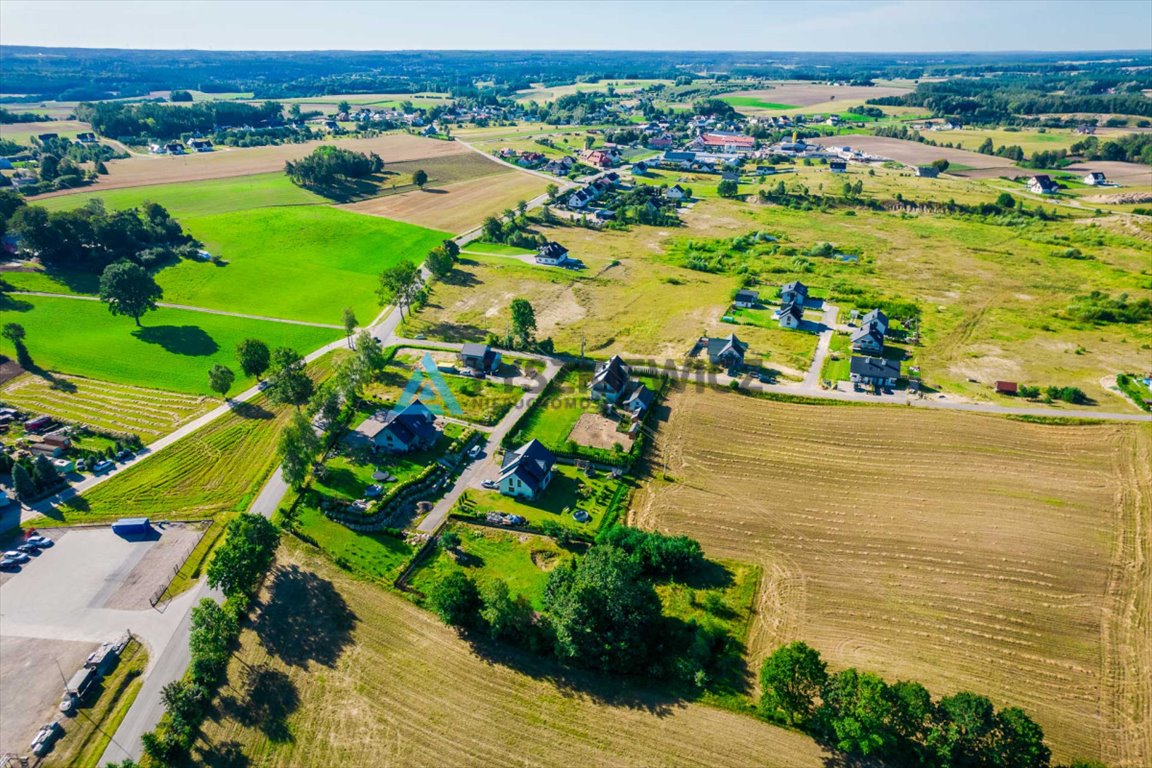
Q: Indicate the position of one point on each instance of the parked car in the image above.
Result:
(490, 484)
(474, 451)
(125, 456)
(16, 555)
(103, 466)
(43, 542)
(81, 465)
(28, 549)
(7, 564)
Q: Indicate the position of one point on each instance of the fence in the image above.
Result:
(158, 594)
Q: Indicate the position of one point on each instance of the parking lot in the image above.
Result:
(89, 588)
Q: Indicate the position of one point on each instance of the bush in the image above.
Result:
(658, 555)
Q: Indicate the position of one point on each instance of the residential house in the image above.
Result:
(874, 371)
(639, 169)
(526, 472)
(790, 316)
(926, 171)
(878, 318)
(581, 198)
(868, 338)
(597, 158)
(174, 148)
(730, 176)
(794, 292)
(678, 159)
(86, 138)
(480, 357)
(408, 429)
(200, 145)
(612, 381)
(1095, 179)
(1042, 185)
(561, 167)
(551, 253)
(43, 137)
(727, 351)
(639, 399)
(661, 142)
(747, 298)
(838, 166)
(675, 192)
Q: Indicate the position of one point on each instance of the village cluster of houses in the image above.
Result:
(612, 383)
(1043, 184)
(793, 297)
(179, 148)
(584, 197)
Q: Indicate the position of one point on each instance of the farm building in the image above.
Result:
(1006, 388)
(1042, 185)
(874, 371)
(790, 316)
(927, 171)
(526, 471)
(794, 292)
(723, 142)
(727, 351)
(1095, 179)
(480, 357)
(838, 166)
(551, 253)
(399, 431)
(746, 298)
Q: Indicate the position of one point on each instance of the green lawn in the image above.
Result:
(554, 414)
(496, 249)
(346, 477)
(374, 555)
(753, 101)
(481, 401)
(838, 369)
(569, 490)
(523, 561)
(198, 198)
(174, 350)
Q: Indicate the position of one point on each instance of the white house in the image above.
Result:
(791, 316)
(551, 253)
(526, 472)
(1095, 179)
(746, 298)
(675, 192)
(1042, 185)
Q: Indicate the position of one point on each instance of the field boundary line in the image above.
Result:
(188, 308)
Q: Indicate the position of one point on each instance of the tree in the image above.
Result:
(184, 702)
(941, 164)
(439, 261)
(1005, 201)
(522, 207)
(589, 142)
(288, 383)
(129, 290)
(254, 357)
(350, 323)
(44, 474)
(449, 540)
(220, 378)
(1019, 741)
(298, 447)
(344, 106)
(22, 483)
(49, 167)
(856, 713)
(245, 556)
(456, 600)
(962, 732)
(792, 678)
(605, 614)
(101, 168)
(399, 284)
(451, 248)
(523, 321)
(420, 178)
(327, 406)
(370, 358)
(552, 190)
(509, 618)
(728, 188)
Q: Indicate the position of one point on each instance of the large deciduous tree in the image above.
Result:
(254, 357)
(399, 284)
(288, 384)
(523, 321)
(245, 556)
(792, 678)
(129, 290)
(220, 378)
(298, 447)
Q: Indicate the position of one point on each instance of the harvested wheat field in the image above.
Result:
(802, 93)
(225, 162)
(336, 671)
(968, 552)
(460, 206)
(105, 406)
(914, 153)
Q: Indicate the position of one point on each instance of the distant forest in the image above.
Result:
(80, 74)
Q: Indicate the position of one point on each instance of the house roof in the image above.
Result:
(795, 287)
(724, 139)
(875, 368)
(612, 374)
(795, 310)
(1044, 181)
(745, 294)
(1095, 175)
(552, 250)
(868, 330)
(639, 398)
(724, 345)
(688, 156)
(483, 352)
(530, 463)
(878, 317)
(410, 424)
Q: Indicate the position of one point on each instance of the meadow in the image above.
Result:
(173, 350)
(967, 552)
(335, 645)
(105, 406)
(22, 133)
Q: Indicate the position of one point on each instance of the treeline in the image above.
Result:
(7, 116)
(1132, 148)
(140, 122)
(512, 229)
(327, 166)
(1101, 308)
(31, 478)
(600, 611)
(862, 715)
(90, 238)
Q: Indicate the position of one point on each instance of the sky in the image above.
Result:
(698, 25)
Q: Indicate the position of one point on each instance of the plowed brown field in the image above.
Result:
(337, 671)
(968, 552)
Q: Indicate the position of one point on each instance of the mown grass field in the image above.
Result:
(346, 658)
(967, 552)
(105, 406)
(1030, 140)
(174, 350)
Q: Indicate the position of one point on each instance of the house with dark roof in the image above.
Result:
(1042, 185)
(927, 171)
(480, 357)
(1095, 179)
(411, 428)
(681, 159)
(727, 351)
(640, 168)
(790, 316)
(675, 192)
(526, 472)
(639, 399)
(838, 166)
(87, 137)
(794, 292)
(868, 338)
(746, 298)
(612, 380)
(551, 253)
(874, 371)
(877, 318)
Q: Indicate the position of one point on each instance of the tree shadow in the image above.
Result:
(270, 697)
(454, 332)
(304, 620)
(189, 340)
(460, 278)
(228, 754)
(709, 574)
(247, 410)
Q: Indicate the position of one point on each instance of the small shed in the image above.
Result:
(1006, 388)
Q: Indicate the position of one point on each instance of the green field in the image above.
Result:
(174, 350)
(753, 101)
(197, 198)
(496, 249)
(372, 555)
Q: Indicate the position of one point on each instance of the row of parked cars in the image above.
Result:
(14, 558)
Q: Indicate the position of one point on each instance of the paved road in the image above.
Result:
(812, 377)
(187, 307)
